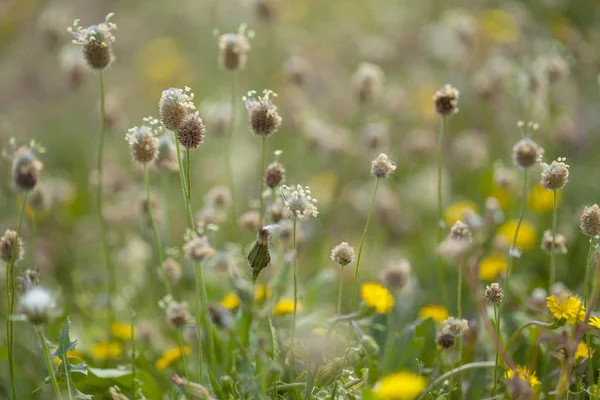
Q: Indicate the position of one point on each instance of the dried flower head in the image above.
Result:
(219, 197)
(26, 169)
(461, 231)
(166, 158)
(11, 246)
(250, 220)
(299, 203)
(178, 315)
(342, 254)
(97, 42)
(367, 82)
(262, 113)
(396, 274)
(456, 326)
(234, 48)
(446, 101)
(172, 269)
(376, 136)
(559, 243)
(39, 199)
(589, 222)
(555, 175)
(266, 9)
(494, 293)
(143, 143)
(198, 249)
(259, 256)
(296, 69)
(174, 105)
(221, 316)
(274, 175)
(38, 305)
(445, 339)
(28, 280)
(527, 153)
(276, 211)
(382, 166)
(191, 131)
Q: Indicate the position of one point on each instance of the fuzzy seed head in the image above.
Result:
(191, 131)
(219, 197)
(234, 48)
(446, 101)
(198, 249)
(172, 269)
(143, 144)
(368, 82)
(555, 175)
(262, 113)
(174, 105)
(250, 220)
(445, 339)
(97, 42)
(296, 69)
(26, 169)
(461, 231)
(299, 203)
(396, 274)
(178, 314)
(456, 326)
(559, 243)
(453, 250)
(527, 153)
(266, 9)
(342, 254)
(221, 316)
(494, 293)
(382, 166)
(38, 305)
(39, 199)
(274, 175)
(276, 211)
(589, 222)
(11, 244)
(166, 158)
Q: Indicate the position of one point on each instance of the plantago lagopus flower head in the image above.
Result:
(166, 158)
(396, 274)
(219, 197)
(589, 222)
(97, 42)
(526, 152)
(174, 105)
(172, 269)
(262, 113)
(342, 254)
(143, 142)
(494, 293)
(445, 339)
(367, 82)
(555, 175)
(11, 244)
(39, 199)
(298, 202)
(274, 175)
(559, 243)
(461, 231)
(382, 166)
(234, 48)
(197, 249)
(446, 101)
(26, 169)
(38, 305)
(178, 315)
(191, 131)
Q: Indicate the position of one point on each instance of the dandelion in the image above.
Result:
(286, 306)
(525, 374)
(401, 385)
(492, 266)
(97, 42)
(107, 351)
(231, 301)
(436, 312)
(595, 322)
(377, 297)
(566, 306)
(262, 292)
(170, 356)
(525, 238)
(122, 331)
(582, 351)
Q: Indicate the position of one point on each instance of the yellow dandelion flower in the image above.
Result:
(491, 266)
(402, 385)
(526, 238)
(541, 200)
(566, 306)
(285, 306)
(456, 211)
(262, 293)
(436, 312)
(582, 351)
(500, 26)
(107, 350)
(525, 374)
(121, 331)
(170, 356)
(231, 301)
(595, 322)
(70, 354)
(377, 297)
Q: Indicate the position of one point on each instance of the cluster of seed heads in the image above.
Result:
(299, 203)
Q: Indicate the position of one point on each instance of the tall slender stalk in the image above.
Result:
(188, 174)
(588, 267)
(459, 314)
(133, 366)
(339, 302)
(202, 317)
(42, 339)
(228, 161)
(199, 321)
(440, 216)
(553, 245)
(362, 242)
(67, 379)
(182, 350)
(497, 358)
(10, 297)
(295, 220)
(262, 181)
(157, 242)
(184, 189)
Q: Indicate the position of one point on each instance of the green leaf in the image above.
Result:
(64, 342)
(99, 380)
(82, 396)
(426, 331)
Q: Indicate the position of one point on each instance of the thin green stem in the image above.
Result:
(199, 320)
(459, 313)
(133, 366)
(440, 216)
(184, 189)
(157, 241)
(295, 220)
(462, 368)
(188, 174)
(11, 296)
(339, 302)
(553, 245)
(203, 316)
(262, 181)
(527, 324)
(67, 378)
(497, 322)
(42, 340)
(585, 301)
(182, 350)
(362, 242)
(228, 160)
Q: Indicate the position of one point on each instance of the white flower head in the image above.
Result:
(38, 305)
(299, 203)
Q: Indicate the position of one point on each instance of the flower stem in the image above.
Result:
(497, 322)
(202, 317)
(362, 241)
(228, 161)
(11, 295)
(462, 368)
(182, 350)
(157, 242)
(133, 367)
(339, 303)
(553, 245)
(42, 340)
(262, 181)
(188, 174)
(184, 189)
(295, 220)
(528, 324)
(585, 301)
(440, 216)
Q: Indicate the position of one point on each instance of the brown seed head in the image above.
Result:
(143, 144)
(263, 236)
(39, 199)
(220, 316)
(446, 101)
(342, 254)
(527, 153)
(233, 49)
(589, 222)
(367, 82)
(396, 274)
(266, 10)
(262, 113)
(555, 175)
(178, 314)
(250, 220)
(445, 339)
(198, 249)
(276, 211)
(494, 293)
(191, 131)
(219, 197)
(11, 244)
(382, 166)
(461, 231)
(559, 243)
(172, 269)
(97, 42)
(274, 175)
(456, 326)
(26, 169)
(174, 105)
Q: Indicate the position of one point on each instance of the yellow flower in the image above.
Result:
(107, 350)
(231, 301)
(170, 356)
(401, 386)
(285, 306)
(423, 104)
(541, 200)
(70, 354)
(566, 306)
(500, 26)
(502, 195)
(526, 238)
(595, 322)
(320, 331)
(456, 211)
(525, 374)
(436, 312)
(377, 297)
(121, 331)
(582, 351)
(491, 266)
(259, 294)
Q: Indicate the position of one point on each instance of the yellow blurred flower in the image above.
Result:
(500, 26)
(170, 69)
(107, 350)
(582, 351)
(402, 385)
(541, 200)
(231, 301)
(259, 294)
(377, 297)
(595, 322)
(319, 331)
(323, 186)
(285, 306)
(566, 306)
(456, 211)
(121, 331)
(503, 196)
(436, 312)
(491, 266)
(526, 238)
(170, 356)
(525, 374)
(424, 103)
(70, 354)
